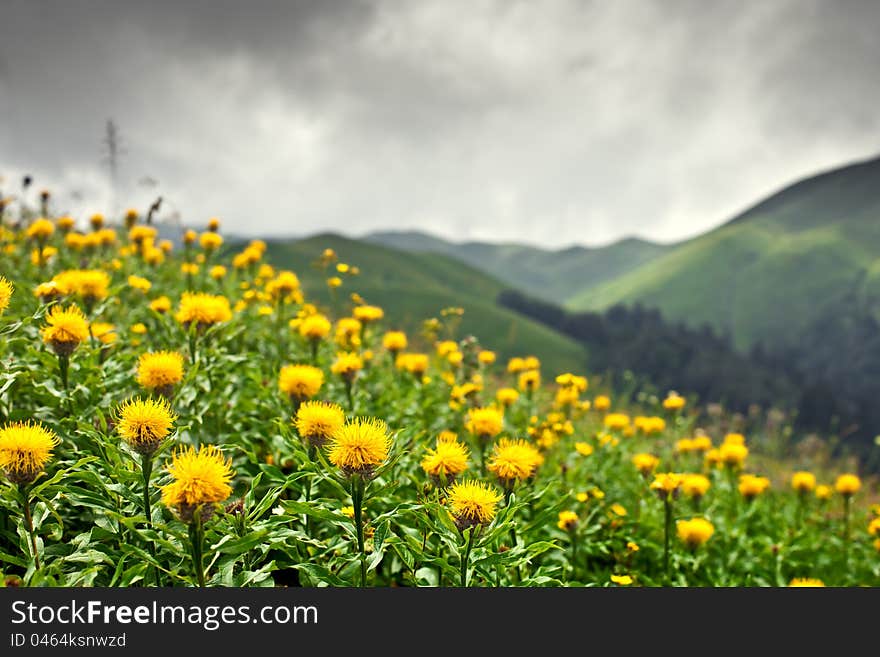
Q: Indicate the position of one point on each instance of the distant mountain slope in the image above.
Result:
(412, 287)
(803, 254)
(551, 275)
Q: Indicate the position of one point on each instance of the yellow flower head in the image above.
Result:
(414, 363)
(874, 527)
(445, 461)
(507, 396)
(300, 382)
(673, 401)
(750, 486)
(139, 283)
(103, 332)
(734, 439)
(65, 223)
(367, 314)
(733, 454)
(806, 582)
(695, 485)
(485, 422)
(213, 224)
(286, 284)
(618, 510)
(67, 327)
(160, 371)
(645, 463)
(217, 272)
(89, 284)
(514, 460)
(529, 380)
(472, 503)
(666, 484)
(25, 448)
(803, 482)
(347, 364)
(160, 304)
(198, 478)
(317, 421)
(394, 341)
(649, 425)
(48, 291)
(315, 327)
(96, 220)
(359, 446)
(567, 520)
(694, 532)
(348, 333)
(210, 241)
(40, 230)
(616, 421)
(622, 580)
(203, 309)
(145, 423)
(684, 446)
(486, 357)
(701, 443)
(584, 449)
(5, 293)
(824, 492)
(847, 484)
(602, 403)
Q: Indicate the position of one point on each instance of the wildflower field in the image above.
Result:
(182, 415)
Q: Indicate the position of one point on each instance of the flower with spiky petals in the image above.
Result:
(394, 341)
(733, 454)
(486, 422)
(200, 480)
(40, 230)
(67, 327)
(513, 461)
(358, 447)
(803, 482)
(5, 294)
(347, 365)
(645, 463)
(317, 421)
(694, 532)
(203, 309)
(315, 327)
(567, 521)
(806, 582)
(695, 485)
(472, 503)
(750, 486)
(25, 448)
(666, 484)
(847, 484)
(160, 371)
(160, 305)
(367, 314)
(145, 423)
(103, 332)
(300, 382)
(139, 283)
(446, 461)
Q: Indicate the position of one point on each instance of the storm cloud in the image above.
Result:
(550, 123)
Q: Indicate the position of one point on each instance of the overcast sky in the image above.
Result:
(551, 123)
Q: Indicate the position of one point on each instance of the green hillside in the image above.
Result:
(808, 252)
(412, 287)
(551, 275)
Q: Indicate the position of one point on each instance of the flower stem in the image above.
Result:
(667, 531)
(357, 500)
(466, 556)
(846, 499)
(196, 539)
(29, 523)
(147, 471)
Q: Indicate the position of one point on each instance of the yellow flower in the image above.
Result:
(145, 423)
(333, 282)
(367, 314)
(507, 396)
(486, 357)
(97, 220)
(750, 486)
(695, 485)
(5, 293)
(210, 241)
(485, 422)
(90, 284)
(567, 520)
(645, 463)
(160, 371)
(65, 223)
(874, 527)
(139, 329)
(203, 309)
(733, 454)
(103, 332)
(602, 403)
(317, 421)
(694, 532)
(584, 449)
(140, 235)
(582, 497)
(529, 380)
(616, 421)
(160, 304)
(515, 365)
(649, 425)
(803, 482)
(446, 347)
(300, 382)
(472, 503)
(632, 546)
(666, 484)
(190, 268)
(200, 481)
(347, 364)
(67, 327)
(348, 512)
(701, 443)
(394, 341)
(684, 445)
(359, 446)
(445, 461)
(806, 582)
(25, 448)
(455, 358)
(40, 230)
(217, 272)
(673, 401)
(48, 291)
(619, 510)
(734, 439)
(414, 363)
(513, 460)
(139, 283)
(622, 580)
(285, 285)
(847, 484)
(213, 224)
(824, 492)
(315, 327)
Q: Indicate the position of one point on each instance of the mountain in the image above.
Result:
(412, 287)
(551, 275)
(804, 254)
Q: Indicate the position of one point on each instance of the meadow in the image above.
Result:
(188, 415)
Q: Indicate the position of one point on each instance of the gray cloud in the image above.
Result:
(552, 122)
